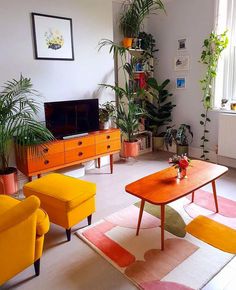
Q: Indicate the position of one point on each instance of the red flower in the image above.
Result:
(183, 163)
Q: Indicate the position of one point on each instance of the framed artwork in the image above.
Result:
(181, 62)
(181, 83)
(182, 44)
(53, 38)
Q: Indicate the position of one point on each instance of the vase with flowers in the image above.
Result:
(181, 163)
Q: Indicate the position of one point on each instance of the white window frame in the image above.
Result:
(225, 84)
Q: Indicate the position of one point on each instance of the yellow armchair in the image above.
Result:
(22, 229)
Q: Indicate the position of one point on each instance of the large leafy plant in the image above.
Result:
(134, 12)
(182, 136)
(212, 48)
(159, 111)
(18, 110)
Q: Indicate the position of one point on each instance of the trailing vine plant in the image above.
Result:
(212, 49)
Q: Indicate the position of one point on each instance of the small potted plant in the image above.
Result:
(18, 110)
(106, 113)
(159, 110)
(182, 137)
(132, 16)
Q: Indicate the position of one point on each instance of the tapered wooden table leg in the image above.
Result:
(99, 162)
(162, 227)
(111, 163)
(214, 193)
(193, 193)
(140, 216)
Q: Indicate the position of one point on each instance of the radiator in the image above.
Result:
(227, 135)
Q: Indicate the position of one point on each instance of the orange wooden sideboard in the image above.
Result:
(62, 153)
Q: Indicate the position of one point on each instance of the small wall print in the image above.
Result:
(182, 44)
(181, 83)
(181, 63)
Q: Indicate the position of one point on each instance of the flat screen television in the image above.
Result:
(68, 118)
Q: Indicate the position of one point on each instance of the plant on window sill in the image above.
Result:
(212, 49)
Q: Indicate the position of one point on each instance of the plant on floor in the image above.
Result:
(212, 49)
(18, 110)
(134, 12)
(160, 109)
(182, 137)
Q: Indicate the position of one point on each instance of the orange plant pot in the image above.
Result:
(8, 182)
(130, 149)
(127, 42)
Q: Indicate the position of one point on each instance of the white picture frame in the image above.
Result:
(180, 83)
(181, 62)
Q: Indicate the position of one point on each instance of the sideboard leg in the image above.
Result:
(111, 163)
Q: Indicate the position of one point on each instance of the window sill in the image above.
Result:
(224, 111)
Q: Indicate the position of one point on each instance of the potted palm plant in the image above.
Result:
(18, 110)
(159, 110)
(132, 16)
(182, 137)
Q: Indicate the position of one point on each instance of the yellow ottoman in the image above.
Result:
(66, 200)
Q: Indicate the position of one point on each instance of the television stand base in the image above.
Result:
(74, 136)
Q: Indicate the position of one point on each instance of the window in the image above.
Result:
(225, 84)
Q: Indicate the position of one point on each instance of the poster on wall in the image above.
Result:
(181, 62)
(181, 83)
(53, 38)
(182, 44)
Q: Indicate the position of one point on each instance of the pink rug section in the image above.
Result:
(154, 285)
(205, 199)
(128, 218)
(193, 210)
(96, 235)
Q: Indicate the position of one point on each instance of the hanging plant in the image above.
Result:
(212, 49)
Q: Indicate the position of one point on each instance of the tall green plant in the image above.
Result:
(160, 110)
(212, 49)
(133, 14)
(18, 110)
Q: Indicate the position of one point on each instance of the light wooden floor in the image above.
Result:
(73, 265)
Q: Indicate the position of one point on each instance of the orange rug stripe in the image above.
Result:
(213, 233)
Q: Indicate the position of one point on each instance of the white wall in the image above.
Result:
(194, 20)
(58, 80)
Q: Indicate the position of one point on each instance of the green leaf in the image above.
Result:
(201, 122)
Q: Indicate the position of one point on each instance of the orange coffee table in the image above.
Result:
(163, 187)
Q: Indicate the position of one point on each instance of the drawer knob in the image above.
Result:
(80, 153)
(108, 146)
(45, 150)
(108, 137)
(46, 162)
(80, 143)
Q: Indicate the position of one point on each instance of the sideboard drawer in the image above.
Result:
(48, 149)
(79, 154)
(45, 162)
(107, 137)
(107, 147)
(79, 142)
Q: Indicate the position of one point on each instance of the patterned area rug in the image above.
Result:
(186, 262)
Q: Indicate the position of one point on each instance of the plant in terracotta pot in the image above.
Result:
(18, 110)
(159, 110)
(132, 15)
(182, 137)
(106, 114)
